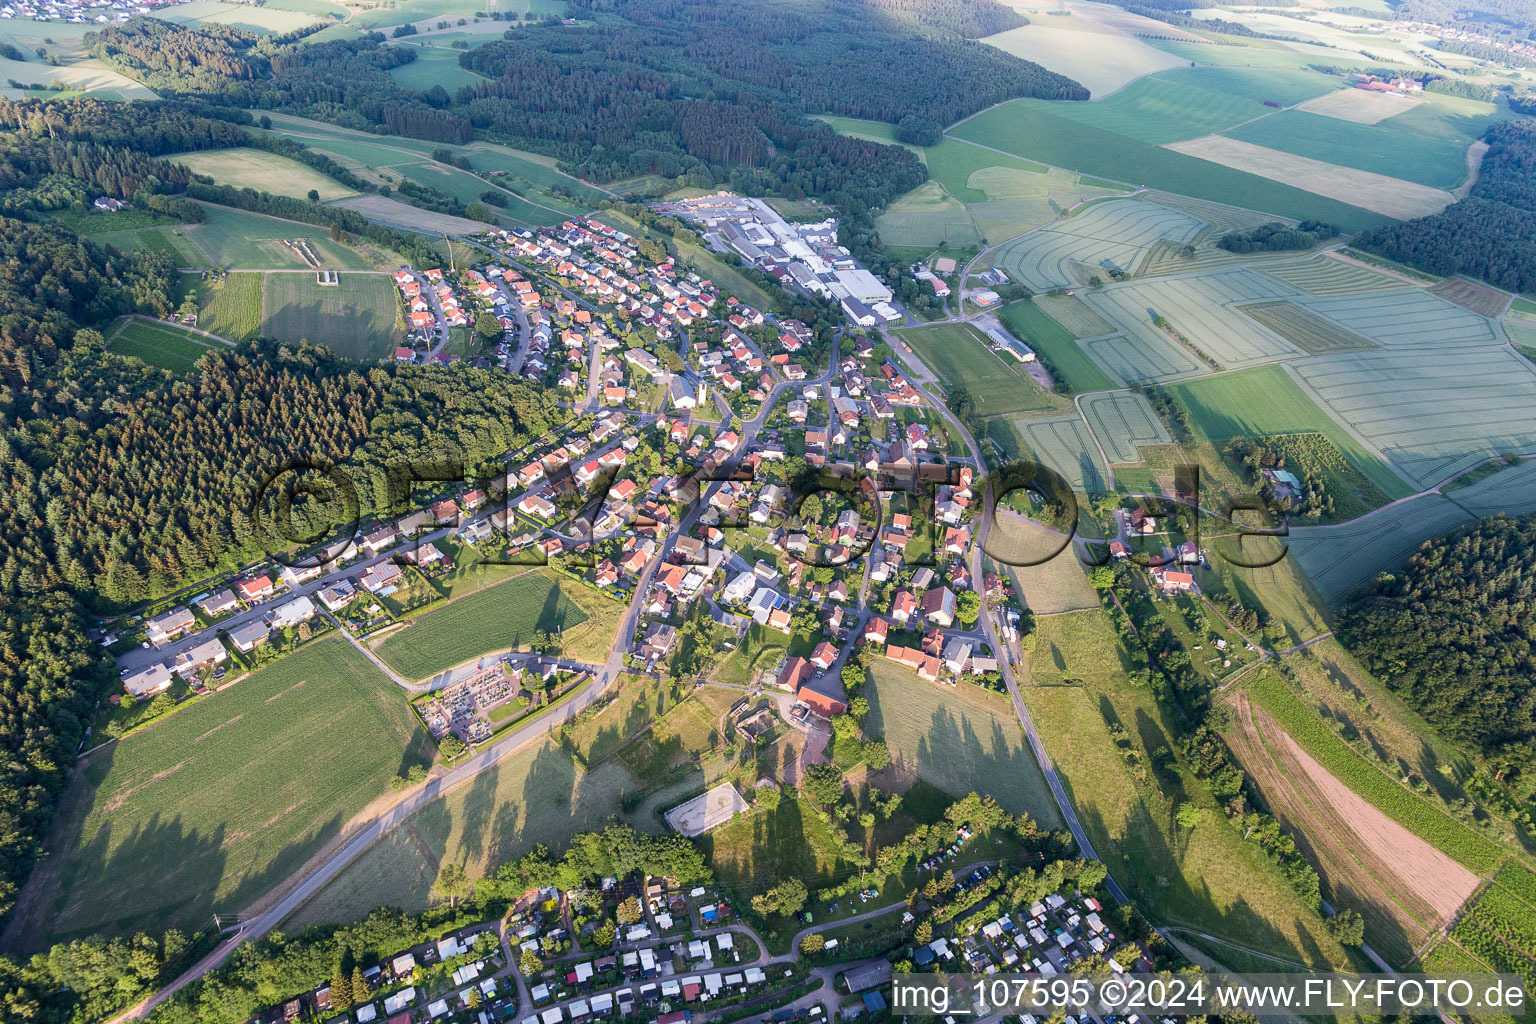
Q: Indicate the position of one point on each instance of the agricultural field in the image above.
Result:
(1266, 400)
(1337, 559)
(435, 65)
(237, 240)
(260, 20)
(1400, 804)
(227, 798)
(79, 78)
(1112, 234)
(501, 617)
(1065, 444)
(1368, 190)
(1405, 887)
(168, 239)
(961, 356)
(1325, 276)
(1360, 106)
(1032, 133)
(1473, 295)
(359, 317)
(1058, 585)
(244, 167)
(1030, 322)
(1147, 356)
(1510, 491)
(1071, 312)
(413, 218)
(1203, 310)
(1305, 330)
(1377, 148)
(961, 740)
(1124, 422)
(1103, 64)
(928, 216)
(231, 306)
(159, 344)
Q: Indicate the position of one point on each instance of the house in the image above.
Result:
(337, 596)
(794, 672)
(170, 625)
(382, 577)
(256, 589)
(248, 637)
(939, 606)
(739, 589)
(903, 605)
(149, 680)
(200, 656)
(378, 540)
(219, 603)
(956, 653)
(299, 610)
(108, 204)
(1173, 582)
(824, 656)
(875, 631)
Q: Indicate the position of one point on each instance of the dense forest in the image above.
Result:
(1489, 235)
(1452, 633)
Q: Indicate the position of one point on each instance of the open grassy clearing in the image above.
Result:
(637, 702)
(1305, 330)
(961, 356)
(961, 740)
(434, 65)
(1324, 276)
(1124, 422)
(412, 218)
(1266, 400)
(1065, 444)
(224, 800)
(1380, 149)
(1032, 133)
(171, 240)
(244, 167)
(1367, 190)
(928, 216)
(1404, 887)
(501, 617)
(538, 795)
(467, 188)
(1058, 585)
(1207, 878)
(238, 240)
(1029, 322)
(159, 344)
(231, 306)
(760, 848)
(359, 317)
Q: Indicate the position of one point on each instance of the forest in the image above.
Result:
(1277, 236)
(1491, 234)
(1461, 609)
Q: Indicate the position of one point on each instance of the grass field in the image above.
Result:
(1031, 133)
(171, 240)
(358, 318)
(1058, 585)
(224, 800)
(501, 617)
(1031, 324)
(159, 344)
(761, 848)
(244, 167)
(1265, 400)
(960, 355)
(238, 240)
(260, 20)
(231, 307)
(928, 216)
(1380, 149)
(959, 740)
(434, 65)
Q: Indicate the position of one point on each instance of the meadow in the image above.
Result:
(231, 306)
(961, 356)
(1030, 323)
(435, 65)
(260, 20)
(960, 739)
(224, 800)
(1104, 66)
(358, 318)
(237, 240)
(1031, 133)
(170, 240)
(501, 617)
(244, 167)
(159, 344)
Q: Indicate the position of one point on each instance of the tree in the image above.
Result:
(472, 998)
(1348, 927)
(786, 898)
(360, 989)
(931, 889)
(629, 911)
(924, 934)
(812, 944)
(967, 607)
(341, 990)
(487, 325)
(1102, 577)
(530, 964)
(947, 881)
(314, 195)
(453, 883)
(858, 707)
(877, 755)
(823, 783)
(1188, 815)
(768, 797)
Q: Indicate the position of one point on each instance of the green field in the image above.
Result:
(1027, 131)
(238, 240)
(244, 167)
(1368, 147)
(231, 307)
(168, 239)
(1037, 329)
(501, 617)
(224, 800)
(358, 318)
(159, 344)
(260, 20)
(960, 355)
(1065, 444)
(960, 740)
(434, 65)
(1124, 422)
(401, 11)
(1266, 400)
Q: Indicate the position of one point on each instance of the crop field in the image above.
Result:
(1337, 559)
(260, 20)
(231, 307)
(1107, 64)
(538, 795)
(159, 344)
(224, 800)
(1186, 102)
(1146, 357)
(928, 216)
(1029, 322)
(1479, 298)
(169, 239)
(1510, 491)
(434, 65)
(244, 167)
(1431, 420)
(1267, 400)
(1324, 276)
(1202, 309)
(1405, 887)
(1065, 444)
(501, 617)
(1368, 190)
(407, 216)
(1058, 585)
(1398, 802)
(1112, 233)
(1449, 118)
(358, 318)
(961, 740)
(238, 240)
(1305, 330)
(81, 78)
(1379, 149)
(1032, 133)
(1361, 106)
(1219, 218)
(1071, 312)
(960, 355)
(468, 188)
(1124, 421)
